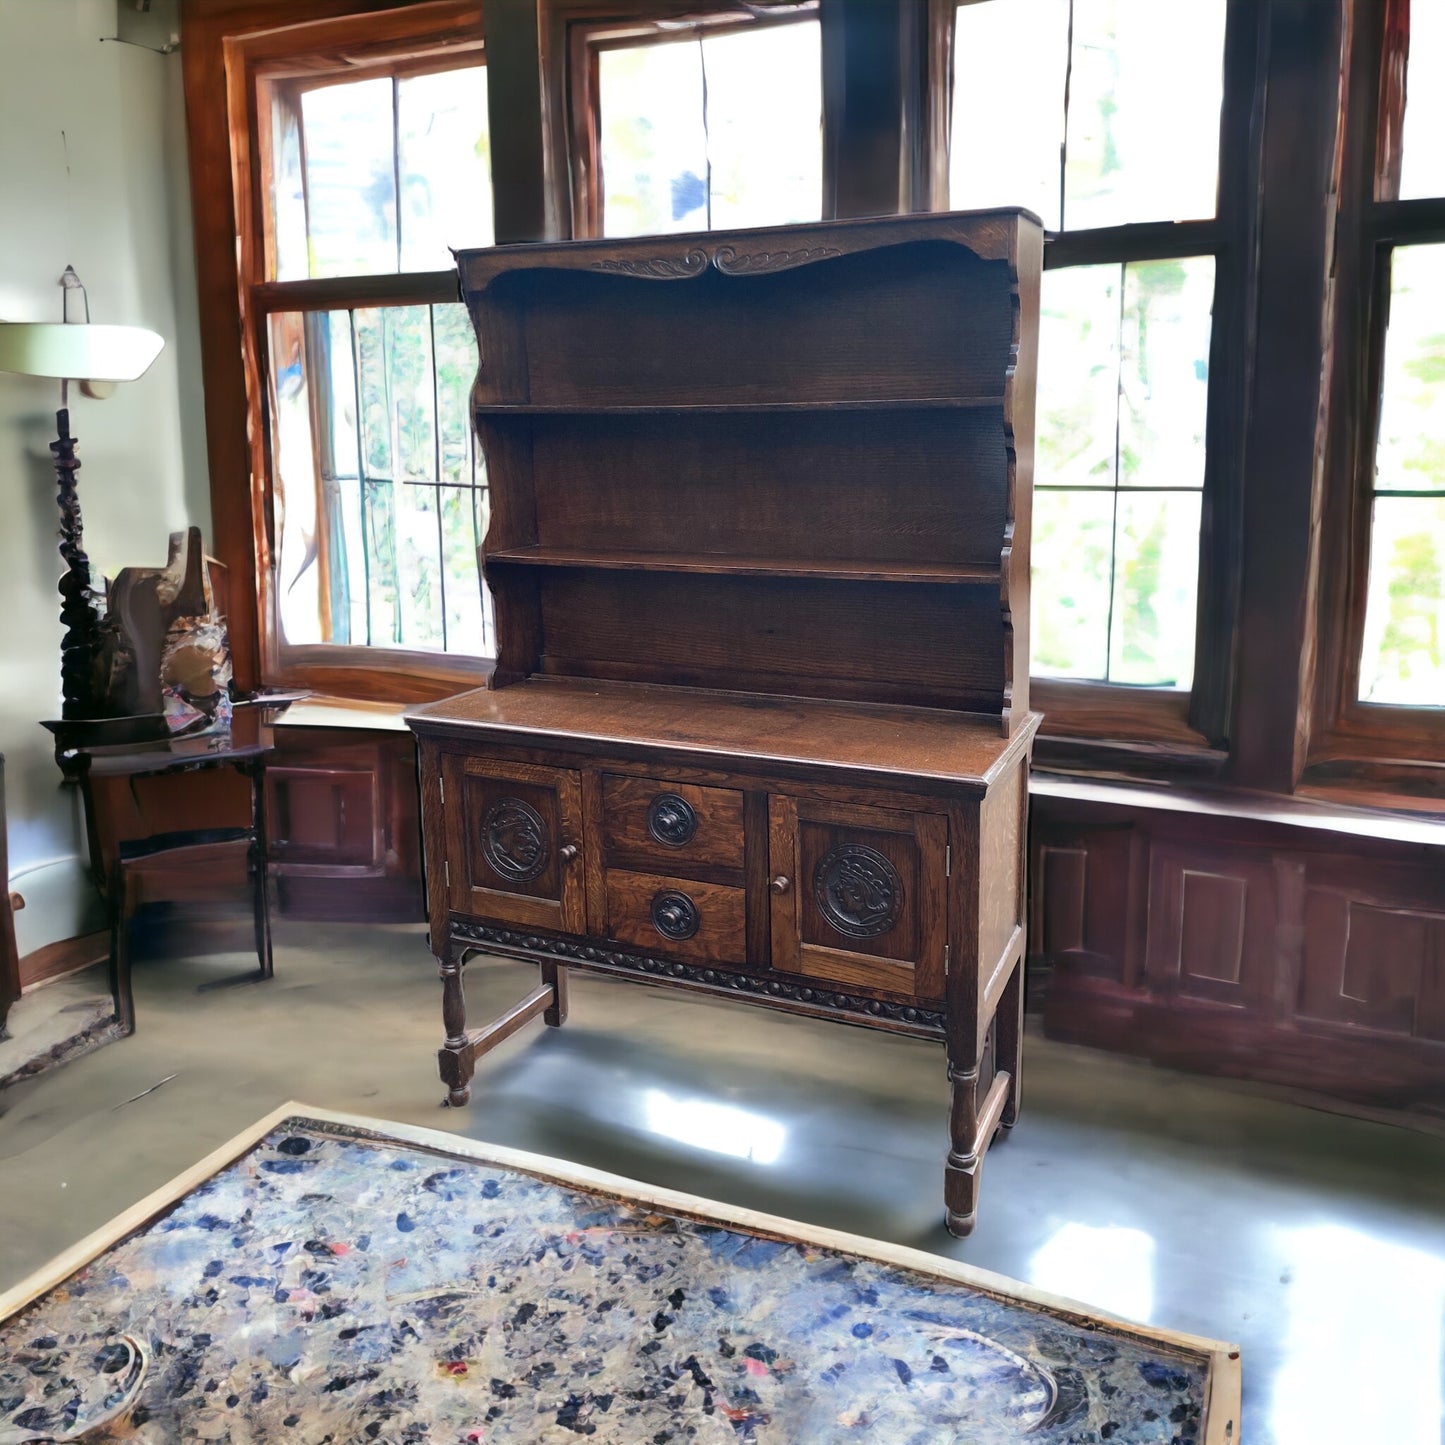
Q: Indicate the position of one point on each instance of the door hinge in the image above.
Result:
(446, 873)
(946, 950)
(442, 788)
(948, 860)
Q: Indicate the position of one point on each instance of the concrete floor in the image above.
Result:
(1315, 1242)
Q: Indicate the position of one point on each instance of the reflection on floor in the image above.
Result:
(58, 1022)
(1317, 1243)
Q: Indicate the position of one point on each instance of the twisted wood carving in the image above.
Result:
(77, 611)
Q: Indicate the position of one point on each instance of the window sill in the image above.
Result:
(1311, 814)
(345, 714)
(1118, 731)
(377, 675)
(1389, 757)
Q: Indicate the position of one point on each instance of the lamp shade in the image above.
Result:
(77, 351)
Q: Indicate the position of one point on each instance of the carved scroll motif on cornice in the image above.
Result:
(657, 268)
(726, 259)
(718, 979)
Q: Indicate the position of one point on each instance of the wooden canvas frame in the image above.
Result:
(1222, 1389)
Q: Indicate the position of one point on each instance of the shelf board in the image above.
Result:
(718, 564)
(903, 403)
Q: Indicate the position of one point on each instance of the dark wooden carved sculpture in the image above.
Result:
(77, 607)
(759, 725)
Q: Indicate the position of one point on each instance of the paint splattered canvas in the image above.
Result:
(334, 1285)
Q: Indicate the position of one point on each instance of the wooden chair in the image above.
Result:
(181, 868)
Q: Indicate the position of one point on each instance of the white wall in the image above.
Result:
(92, 174)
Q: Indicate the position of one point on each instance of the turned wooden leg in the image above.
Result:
(260, 874)
(261, 918)
(120, 984)
(454, 1059)
(960, 1175)
(555, 977)
(1009, 1039)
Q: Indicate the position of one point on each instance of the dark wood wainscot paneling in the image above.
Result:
(1274, 948)
(343, 815)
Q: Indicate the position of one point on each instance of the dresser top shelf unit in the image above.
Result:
(792, 461)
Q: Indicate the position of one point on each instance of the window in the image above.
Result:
(708, 123)
(378, 494)
(382, 521)
(1108, 136)
(380, 175)
(1401, 661)
(1123, 383)
(1109, 129)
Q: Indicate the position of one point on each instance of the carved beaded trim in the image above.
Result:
(858, 890)
(674, 915)
(671, 820)
(514, 840)
(763, 988)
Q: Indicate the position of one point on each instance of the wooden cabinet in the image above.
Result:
(759, 548)
(342, 817)
(512, 832)
(859, 895)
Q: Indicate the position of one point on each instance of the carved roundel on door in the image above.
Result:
(671, 820)
(514, 840)
(674, 915)
(858, 890)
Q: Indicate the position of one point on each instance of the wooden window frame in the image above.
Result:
(1270, 705)
(588, 33)
(245, 51)
(1354, 744)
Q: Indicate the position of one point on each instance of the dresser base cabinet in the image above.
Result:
(805, 884)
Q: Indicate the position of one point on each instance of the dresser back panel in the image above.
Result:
(929, 644)
(911, 486)
(921, 319)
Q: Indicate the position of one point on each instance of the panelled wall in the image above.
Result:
(1280, 949)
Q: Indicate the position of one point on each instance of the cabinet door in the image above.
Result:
(514, 834)
(859, 896)
(343, 818)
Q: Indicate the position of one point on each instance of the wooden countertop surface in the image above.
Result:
(863, 739)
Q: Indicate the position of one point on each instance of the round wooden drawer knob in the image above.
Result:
(780, 885)
(568, 852)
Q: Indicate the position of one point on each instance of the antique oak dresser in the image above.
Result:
(759, 550)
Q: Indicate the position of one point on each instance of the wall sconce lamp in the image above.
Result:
(96, 357)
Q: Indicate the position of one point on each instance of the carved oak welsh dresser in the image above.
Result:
(759, 549)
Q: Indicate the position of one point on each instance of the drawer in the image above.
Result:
(656, 826)
(677, 916)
